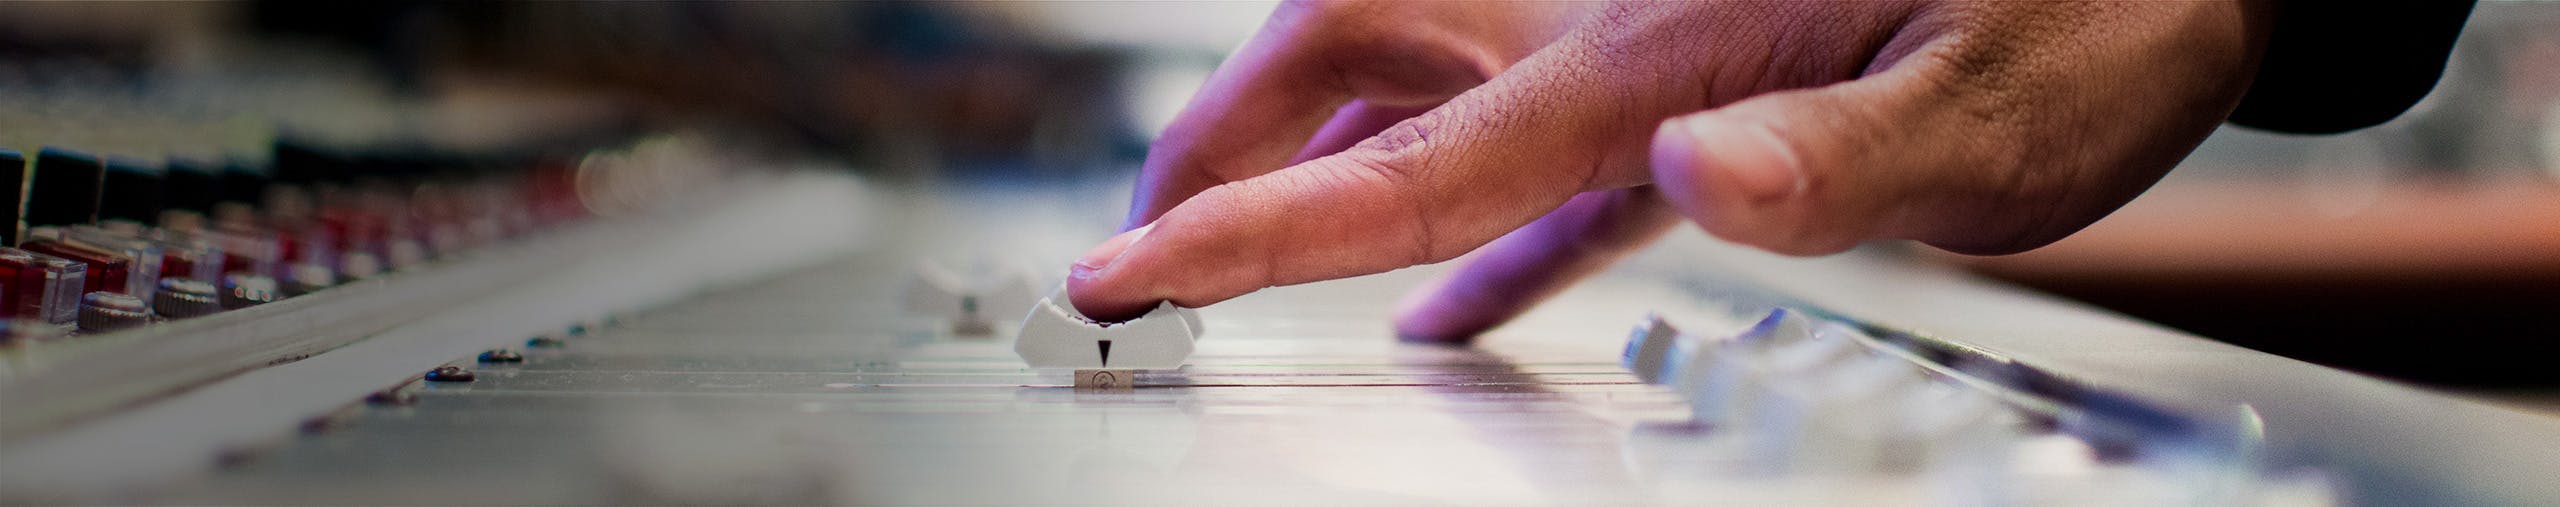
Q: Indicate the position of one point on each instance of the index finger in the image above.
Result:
(1426, 190)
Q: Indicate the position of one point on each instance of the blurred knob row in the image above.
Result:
(99, 244)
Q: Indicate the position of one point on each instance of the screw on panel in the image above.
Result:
(545, 342)
(234, 457)
(1106, 380)
(450, 374)
(330, 421)
(391, 397)
(501, 356)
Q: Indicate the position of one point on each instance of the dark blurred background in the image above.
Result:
(2425, 249)
(901, 89)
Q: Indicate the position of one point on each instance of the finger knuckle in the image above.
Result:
(1417, 211)
(1408, 139)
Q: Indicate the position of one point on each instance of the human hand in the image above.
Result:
(1355, 138)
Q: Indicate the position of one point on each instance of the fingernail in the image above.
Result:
(1102, 256)
(1751, 156)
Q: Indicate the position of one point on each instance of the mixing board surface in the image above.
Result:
(431, 253)
(821, 386)
(824, 384)
(815, 388)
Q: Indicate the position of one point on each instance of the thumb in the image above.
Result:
(1815, 171)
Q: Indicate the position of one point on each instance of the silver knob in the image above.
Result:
(181, 298)
(103, 311)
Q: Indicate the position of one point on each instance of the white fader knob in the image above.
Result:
(1656, 352)
(970, 303)
(1717, 376)
(1056, 336)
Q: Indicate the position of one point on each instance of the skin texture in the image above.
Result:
(1350, 138)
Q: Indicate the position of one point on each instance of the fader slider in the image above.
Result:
(1055, 335)
(971, 300)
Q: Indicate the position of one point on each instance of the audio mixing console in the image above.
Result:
(431, 253)
(809, 339)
